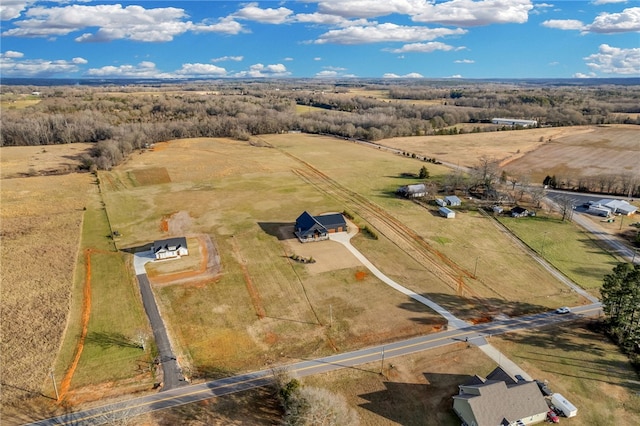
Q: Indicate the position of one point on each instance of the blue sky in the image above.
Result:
(320, 39)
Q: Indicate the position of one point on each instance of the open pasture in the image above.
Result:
(602, 150)
(464, 150)
(243, 195)
(21, 161)
(41, 221)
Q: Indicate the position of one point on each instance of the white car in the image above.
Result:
(563, 310)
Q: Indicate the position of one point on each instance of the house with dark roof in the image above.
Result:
(170, 248)
(413, 191)
(519, 212)
(499, 400)
(317, 228)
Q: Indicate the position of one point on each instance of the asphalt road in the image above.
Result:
(172, 374)
(193, 393)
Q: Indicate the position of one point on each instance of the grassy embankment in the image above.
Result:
(569, 248)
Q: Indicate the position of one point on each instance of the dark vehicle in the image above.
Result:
(546, 391)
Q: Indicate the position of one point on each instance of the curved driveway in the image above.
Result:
(344, 238)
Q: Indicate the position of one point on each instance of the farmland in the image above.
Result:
(244, 197)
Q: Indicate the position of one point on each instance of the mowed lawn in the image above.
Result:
(572, 250)
(266, 309)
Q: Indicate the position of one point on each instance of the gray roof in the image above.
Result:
(494, 401)
(169, 244)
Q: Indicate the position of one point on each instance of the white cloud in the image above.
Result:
(468, 13)
(327, 74)
(326, 19)
(79, 61)
(252, 12)
(614, 60)
(626, 21)
(11, 9)
(201, 70)
(387, 32)
(261, 71)
(465, 61)
(144, 69)
(114, 22)
(36, 67)
(410, 75)
(605, 23)
(581, 75)
(228, 58)
(455, 76)
(564, 24)
(598, 2)
(317, 58)
(429, 47)
(11, 54)
(369, 8)
(288, 59)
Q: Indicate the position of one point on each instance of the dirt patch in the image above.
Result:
(208, 268)
(152, 176)
(361, 275)
(176, 224)
(328, 255)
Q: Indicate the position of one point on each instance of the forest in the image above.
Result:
(121, 119)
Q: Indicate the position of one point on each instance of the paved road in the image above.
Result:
(474, 334)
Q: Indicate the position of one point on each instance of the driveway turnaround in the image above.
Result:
(172, 374)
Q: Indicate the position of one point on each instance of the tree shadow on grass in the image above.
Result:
(105, 340)
(417, 403)
(474, 308)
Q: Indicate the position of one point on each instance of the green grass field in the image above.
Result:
(117, 322)
(572, 250)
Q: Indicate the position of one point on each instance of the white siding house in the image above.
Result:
(452, 200)
(170, 248)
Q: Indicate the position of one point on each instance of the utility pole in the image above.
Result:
(475, 268)
(330, 316)
(55, 387)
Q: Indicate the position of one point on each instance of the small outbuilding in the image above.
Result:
(519, 212)
(170, 248)
(497, 209)
(452, 200)
(317, 228)
(441, 202)
(413, 191)
(448, 213)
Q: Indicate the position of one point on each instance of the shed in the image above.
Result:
(519, 211)
(448, 213)
(497, 209)
(441, 202)
(170, 248)
(452, 200)
(413, 191)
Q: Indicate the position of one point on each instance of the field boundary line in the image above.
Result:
(256, 301)
(86, 312)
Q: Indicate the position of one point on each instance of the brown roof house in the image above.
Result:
(499, 400)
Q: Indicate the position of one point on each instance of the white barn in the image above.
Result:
(452, 200)
(170, 248)
(514, 122)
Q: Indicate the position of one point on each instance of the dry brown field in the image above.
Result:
(601, 150)
(22, 161)
(41, 225)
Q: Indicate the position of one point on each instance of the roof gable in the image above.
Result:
(331, 220)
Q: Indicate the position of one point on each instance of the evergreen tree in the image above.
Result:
(424, 173)
(621, 303)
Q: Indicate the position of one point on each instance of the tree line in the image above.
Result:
(625, 183)
(621, 304)
(122, 119)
